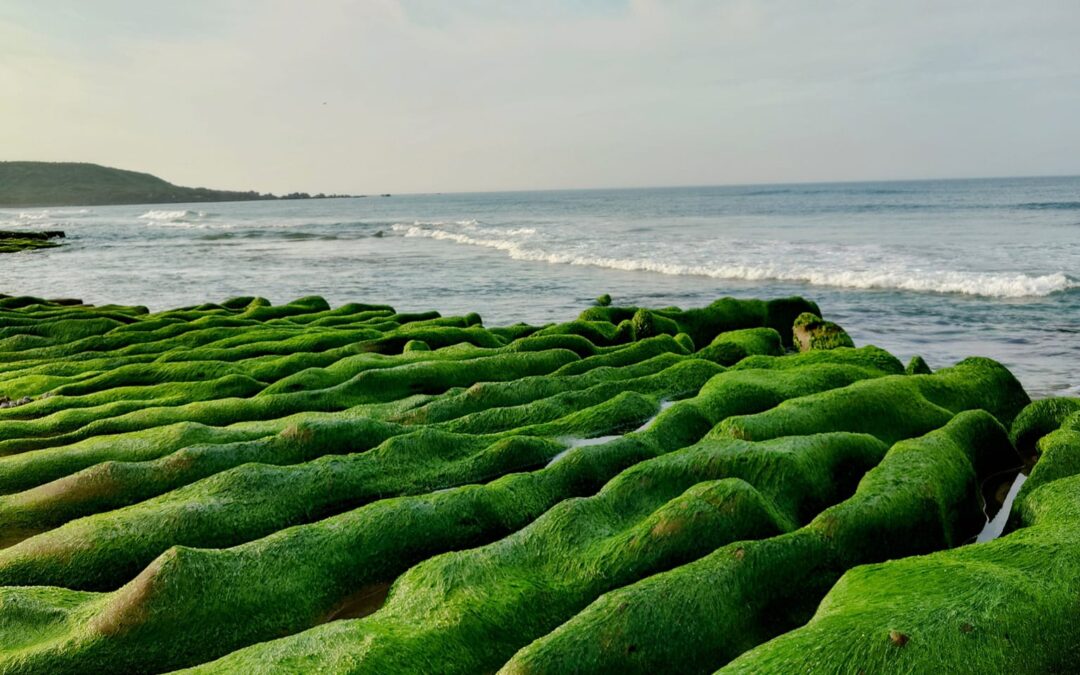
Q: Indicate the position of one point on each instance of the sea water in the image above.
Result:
(943, 269)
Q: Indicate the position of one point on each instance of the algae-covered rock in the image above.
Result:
(703, 324)
(730, 347)
(1004, 606)
(747, 592)
(812, 332)
(1039, 419)
(29, 240)
(917, 366)
(249, 487)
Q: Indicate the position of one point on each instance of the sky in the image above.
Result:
(400, 96)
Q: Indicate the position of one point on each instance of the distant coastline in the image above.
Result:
(43, 184)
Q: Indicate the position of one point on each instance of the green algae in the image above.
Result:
(730, 347)
(917, 366)
(1008, 605)
(810, 331)
(17, 244)
(413, 492)
(891, 408)
(470, 611)
(349, 548)
(145, 529)
(1039, 419)
(368, 386)
(703, 324)
(253, 500)
(922, 496)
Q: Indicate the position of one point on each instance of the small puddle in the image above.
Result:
(996, 525)
(664, 405)
(572, 443)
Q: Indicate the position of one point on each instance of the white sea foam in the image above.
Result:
(45, 214)
(443, 223)
(173, 216)
(900, 277)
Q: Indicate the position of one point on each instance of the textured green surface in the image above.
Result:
(17, 244)
(1006, 606)
(243, 487)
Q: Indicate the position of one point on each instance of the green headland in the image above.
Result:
(83, 184)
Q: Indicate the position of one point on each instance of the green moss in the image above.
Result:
(730, 347)
(810, 331)
(725, 314)
(1039, 419)
(347, 553)
(590, 495)
(891, 408)
(470, 611)
(16, 245)
(253, 500)
(917, 366)
(869, 357)
(1006, 606)
(923, 495)
(686, 342)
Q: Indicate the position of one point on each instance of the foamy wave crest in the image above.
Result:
(52, 213)
(444, 223)
(173, 216)
(469, 225)
(999, 285)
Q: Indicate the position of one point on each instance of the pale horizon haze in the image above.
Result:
(478, 95)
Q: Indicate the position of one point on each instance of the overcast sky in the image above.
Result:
(434, 95)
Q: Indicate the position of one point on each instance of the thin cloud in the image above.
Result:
(430, 96)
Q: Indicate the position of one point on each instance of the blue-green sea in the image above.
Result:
(944, 269)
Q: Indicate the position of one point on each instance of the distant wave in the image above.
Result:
(765, 192)
(999, 285)
(52, 213)
(441, 223)
(1050, 206)
(305, 236)
(180, 216)
(472, 225)
(287, 235)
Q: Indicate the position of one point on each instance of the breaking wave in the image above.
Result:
(41, 218)
(179, 216)
(989, 284)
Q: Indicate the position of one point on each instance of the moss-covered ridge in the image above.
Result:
(1008, 605)
(355, 489)
(348, 553)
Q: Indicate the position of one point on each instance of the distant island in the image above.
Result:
(84, 184)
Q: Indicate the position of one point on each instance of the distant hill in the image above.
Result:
(81, 184)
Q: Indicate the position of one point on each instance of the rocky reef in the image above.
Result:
(13, 241)
(243, 487)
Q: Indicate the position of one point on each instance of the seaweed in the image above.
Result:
(243, 486)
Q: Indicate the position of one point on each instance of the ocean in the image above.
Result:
(942, 269)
